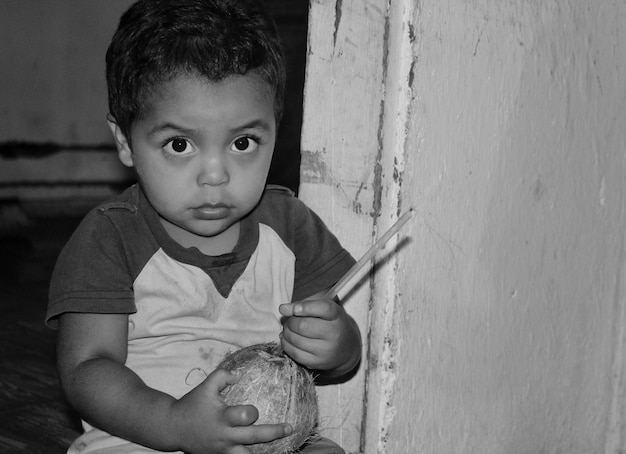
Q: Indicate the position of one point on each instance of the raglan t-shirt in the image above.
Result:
(186, 310)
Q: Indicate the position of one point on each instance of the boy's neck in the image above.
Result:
(224, 243)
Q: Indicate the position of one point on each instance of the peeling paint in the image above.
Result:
(378, 168)
(356, 205)
(411, 30)
(313, 168)
(396, 172)
(338, 7)
(411, 77)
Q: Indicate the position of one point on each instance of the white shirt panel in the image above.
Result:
(183, 327)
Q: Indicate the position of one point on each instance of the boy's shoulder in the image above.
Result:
(115, 208)
(284, 212)
(116, 214)
(280, 201)
(128, 200)
(278, 190)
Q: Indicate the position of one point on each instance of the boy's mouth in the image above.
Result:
(211, 211)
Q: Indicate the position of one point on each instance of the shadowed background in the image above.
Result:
(56, 162)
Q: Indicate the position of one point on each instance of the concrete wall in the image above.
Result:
(498, 326)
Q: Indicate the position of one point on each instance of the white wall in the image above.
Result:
(499, 327)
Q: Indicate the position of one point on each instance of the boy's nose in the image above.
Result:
(212, 170)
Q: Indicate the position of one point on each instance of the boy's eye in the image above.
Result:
(245, 145)
(177, 146)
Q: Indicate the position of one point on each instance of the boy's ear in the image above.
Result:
(123, 148)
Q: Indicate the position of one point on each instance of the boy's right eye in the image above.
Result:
(177, 146)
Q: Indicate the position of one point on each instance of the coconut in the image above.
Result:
(280, 389)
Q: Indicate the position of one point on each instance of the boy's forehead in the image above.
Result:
(253, 85)
(193, 96)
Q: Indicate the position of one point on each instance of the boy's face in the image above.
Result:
(202, 152)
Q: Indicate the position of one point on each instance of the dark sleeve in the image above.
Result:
(320, 260)
(91, 274)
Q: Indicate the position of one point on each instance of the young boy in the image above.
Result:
(199, 258)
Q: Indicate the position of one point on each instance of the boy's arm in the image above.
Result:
(92, 350)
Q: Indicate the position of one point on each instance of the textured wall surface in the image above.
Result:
(498, 327)
(513, 306)
(339, 169)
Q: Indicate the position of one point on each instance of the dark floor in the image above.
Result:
(34, 417)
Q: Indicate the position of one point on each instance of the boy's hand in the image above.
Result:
(209, 426)
(320, 334)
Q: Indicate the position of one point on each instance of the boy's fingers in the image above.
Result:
(239, 450)
(299, 355)
(286, 310)
(219, 379)
(261, 433)
(241, 415)
(301, 330)
(294, 341)
(324, 309)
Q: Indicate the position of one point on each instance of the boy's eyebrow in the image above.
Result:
(165, 126)
(254, 124)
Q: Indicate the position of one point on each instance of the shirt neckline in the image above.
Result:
(246, 243)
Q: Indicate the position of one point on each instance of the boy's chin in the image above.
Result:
(195, 232)
(210, 229)
(227, 231)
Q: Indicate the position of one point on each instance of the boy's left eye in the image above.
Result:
(244, 145)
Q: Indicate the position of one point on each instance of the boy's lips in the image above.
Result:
(211, 211)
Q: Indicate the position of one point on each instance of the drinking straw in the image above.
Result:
(335, 289)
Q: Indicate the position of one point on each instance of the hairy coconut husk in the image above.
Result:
(279, 388)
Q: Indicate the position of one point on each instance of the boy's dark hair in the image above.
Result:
(157, 40)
